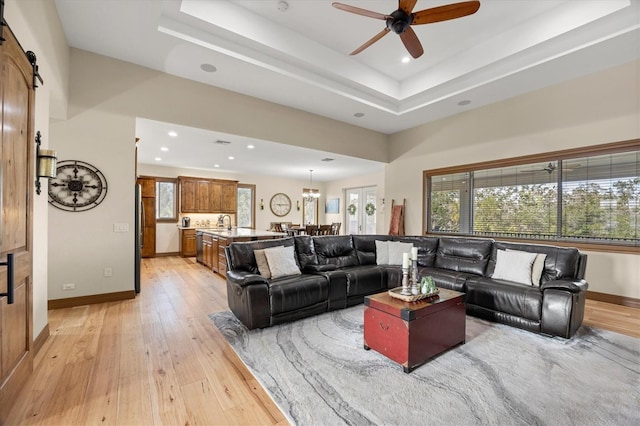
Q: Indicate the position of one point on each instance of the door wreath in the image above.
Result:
(369, 209)
(351, 209)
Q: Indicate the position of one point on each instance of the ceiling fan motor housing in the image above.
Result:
(399, 21)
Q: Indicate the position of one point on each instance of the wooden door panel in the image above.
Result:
(14, 329)
(229, 198)
(14, 159)
(187, 196)
(149, 242)
(17, 188)
(216, 197)
(148, 186)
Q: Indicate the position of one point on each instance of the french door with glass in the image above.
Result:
(361, 210)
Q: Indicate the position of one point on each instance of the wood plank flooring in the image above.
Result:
(158, 359)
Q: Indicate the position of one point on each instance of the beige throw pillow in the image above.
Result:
(282, 261)
(382, 252)
(537, 268)
(263, 265)
(514, 266)
(396, 250)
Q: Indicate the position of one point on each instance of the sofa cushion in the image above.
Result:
(463, 254)
(335, 249)
(427, 247)
(282, 261)
(537, 268)
(514, 266)
(365, 280)
(297, 292)
(305, 251)
(520, 300)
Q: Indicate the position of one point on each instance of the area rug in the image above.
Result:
(318, 373)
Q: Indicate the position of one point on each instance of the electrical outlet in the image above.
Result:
(69, 286)
(108, 272)
(120, 227)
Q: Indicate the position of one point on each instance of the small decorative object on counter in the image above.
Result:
(427, 285)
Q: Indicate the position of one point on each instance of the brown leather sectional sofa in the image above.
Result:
(339, 271)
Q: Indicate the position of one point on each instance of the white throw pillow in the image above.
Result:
(514, 266)
(263, 265)
(382, 252)
(537, 268)
(282, 261)
(396, 250)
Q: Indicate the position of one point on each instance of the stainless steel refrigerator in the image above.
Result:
(139, 236)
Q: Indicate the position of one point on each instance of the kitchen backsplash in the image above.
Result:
(207, 220)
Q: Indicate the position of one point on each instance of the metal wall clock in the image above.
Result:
(280, 204)
(78, 186)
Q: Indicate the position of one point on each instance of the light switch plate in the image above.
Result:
(120, 227)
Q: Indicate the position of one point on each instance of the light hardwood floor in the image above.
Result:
(158, 359)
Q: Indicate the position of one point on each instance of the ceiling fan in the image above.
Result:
(401, 20)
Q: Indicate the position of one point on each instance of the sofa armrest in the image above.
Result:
(243, 278)
(319, 268)
(572, 286)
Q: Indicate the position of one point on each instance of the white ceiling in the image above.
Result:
(299, 57)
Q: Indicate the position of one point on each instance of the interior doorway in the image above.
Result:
(361, 207)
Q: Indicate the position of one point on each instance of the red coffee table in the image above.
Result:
(410, 333)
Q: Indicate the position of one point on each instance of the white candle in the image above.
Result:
(405, 260)
(414, 253)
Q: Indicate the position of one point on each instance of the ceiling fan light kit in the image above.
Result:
(401, 20)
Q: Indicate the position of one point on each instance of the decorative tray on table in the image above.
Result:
(395, 292)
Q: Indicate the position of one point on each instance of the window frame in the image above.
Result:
(567, 154)
(253, 203)
(174, 181)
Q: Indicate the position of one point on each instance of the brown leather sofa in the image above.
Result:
(339, 271)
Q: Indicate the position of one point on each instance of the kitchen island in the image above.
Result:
(214, 240)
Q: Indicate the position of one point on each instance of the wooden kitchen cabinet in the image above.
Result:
(199, 195)
(188, 195)
(148, 185)
(206, 250)
(188, 242)
(229, 203)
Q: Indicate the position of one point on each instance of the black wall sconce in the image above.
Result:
(46, 162)
(261, 204)
(298, 205)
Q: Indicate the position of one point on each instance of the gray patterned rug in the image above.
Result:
(318, 373)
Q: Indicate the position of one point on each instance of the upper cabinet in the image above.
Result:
(198, 195)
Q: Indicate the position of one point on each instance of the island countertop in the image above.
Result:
(242, 233)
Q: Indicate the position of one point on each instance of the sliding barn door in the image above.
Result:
(16, 195)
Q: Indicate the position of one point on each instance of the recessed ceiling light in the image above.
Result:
(208, 68)
(164, 148)
(405, 60)
(173, 134)
(216, 165)
(250, 146)
(158, 159)
(231, 157)
(358, 114)
(465, 102)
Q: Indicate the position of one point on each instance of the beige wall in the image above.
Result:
(37, 27)
(596, 109)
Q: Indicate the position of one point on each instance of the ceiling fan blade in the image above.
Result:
(411, 42)
(358, 11)
(407, 5)
(445, 13)
(371, 41)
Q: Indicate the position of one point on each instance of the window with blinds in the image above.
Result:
(587, 198)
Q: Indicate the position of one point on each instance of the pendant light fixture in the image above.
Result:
(310, 193)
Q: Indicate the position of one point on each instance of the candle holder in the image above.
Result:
(415, 287)
(413, 273)
(406, 289)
